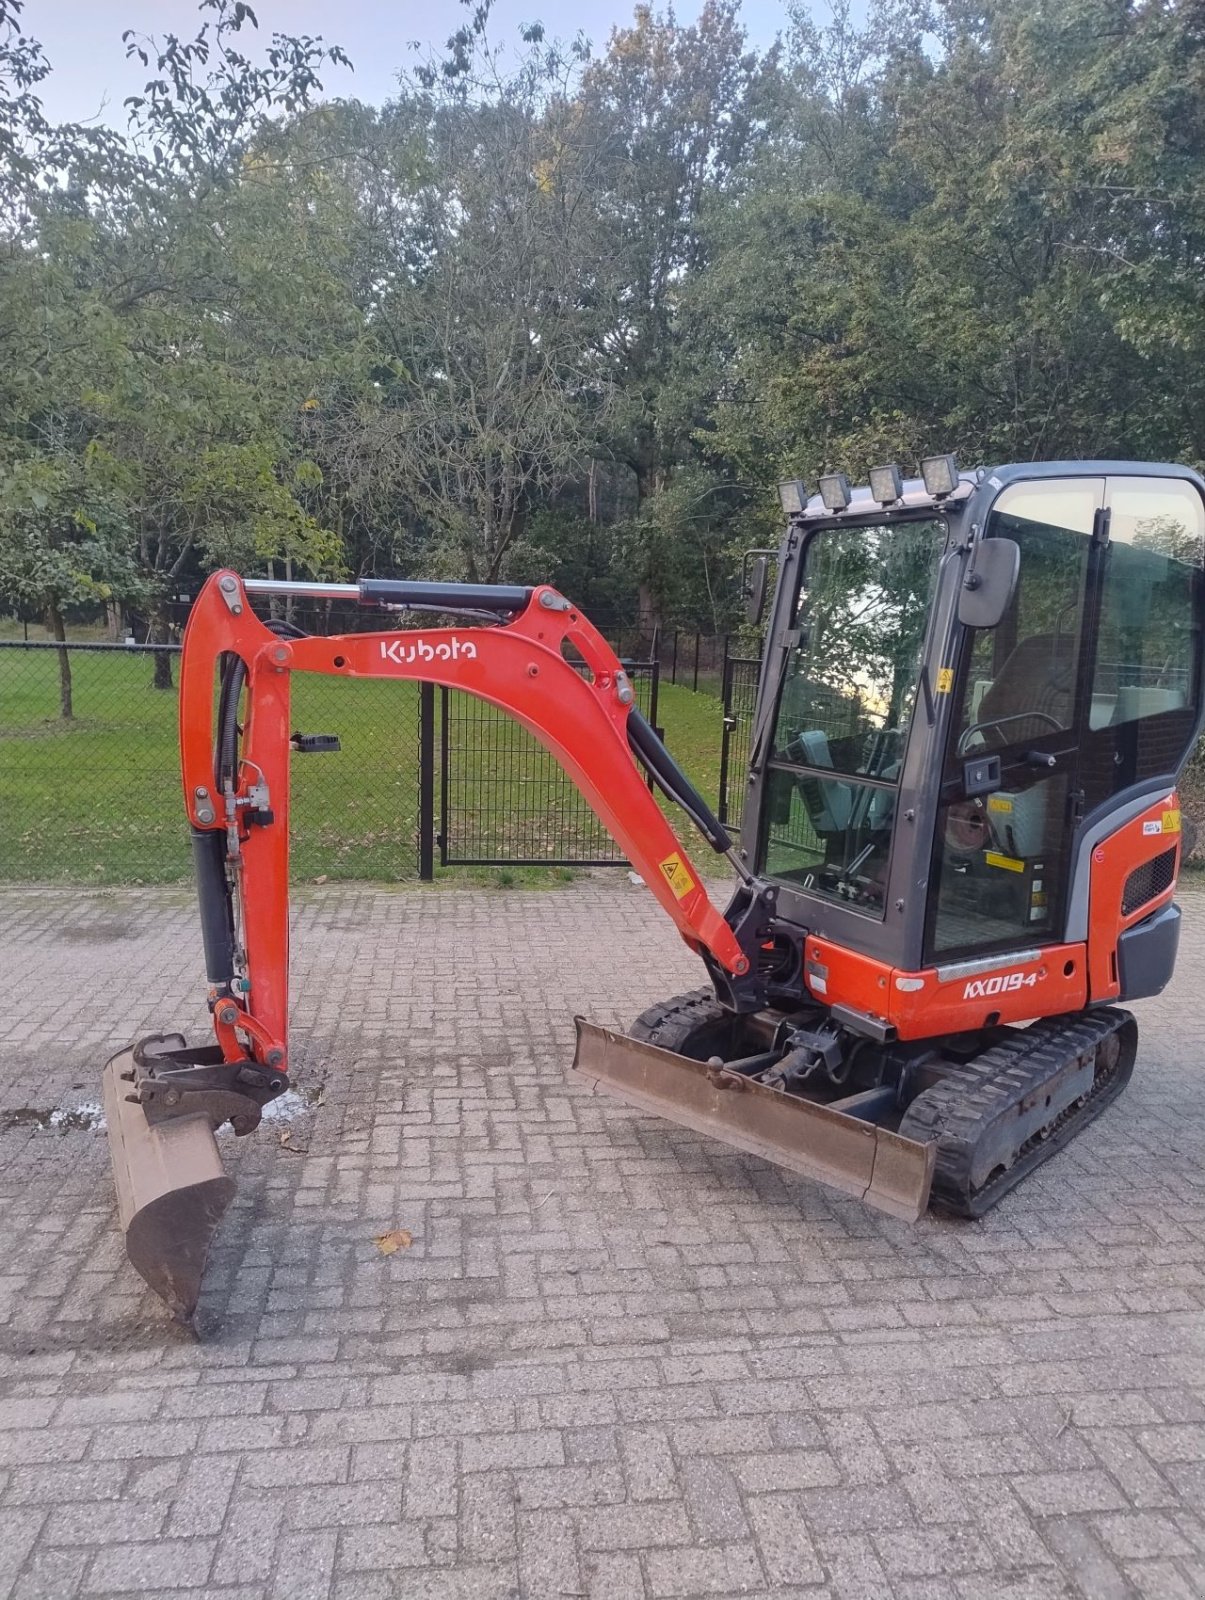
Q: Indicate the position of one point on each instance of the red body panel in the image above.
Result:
(957, 997)
(1150, 834)
(518, 667)
(963, 995)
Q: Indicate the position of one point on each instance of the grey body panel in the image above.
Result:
(1146, 954)
(1122, 810)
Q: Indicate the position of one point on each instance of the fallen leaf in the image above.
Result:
(286, 1136)
(322, 877)
(393, 1241)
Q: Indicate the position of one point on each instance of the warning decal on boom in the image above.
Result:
(677, 875)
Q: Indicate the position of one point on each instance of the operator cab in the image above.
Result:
(925, 789)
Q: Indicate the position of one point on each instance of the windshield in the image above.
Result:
(845, 706)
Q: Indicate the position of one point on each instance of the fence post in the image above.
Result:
(695, 684)
(426, 782)
(444, 765)
(673, 670)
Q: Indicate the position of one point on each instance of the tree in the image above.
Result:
(129, 302)
(485, 397)
(63, 542)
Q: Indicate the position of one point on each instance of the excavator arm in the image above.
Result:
(236, 784)
(541, 662)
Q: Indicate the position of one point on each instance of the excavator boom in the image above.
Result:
(543, 663)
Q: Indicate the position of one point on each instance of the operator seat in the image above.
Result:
(1038, 676)
(828, 804)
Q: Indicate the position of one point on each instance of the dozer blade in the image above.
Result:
(171, 1190)
(889, 1172)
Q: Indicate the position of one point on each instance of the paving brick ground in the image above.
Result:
(618, 1360)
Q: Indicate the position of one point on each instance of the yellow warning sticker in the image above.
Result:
(677, 875)
(999, 802)
(1009, 863)
(1171, 821)
(945, 679)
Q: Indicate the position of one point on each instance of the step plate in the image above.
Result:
(885, 1170)
(171, 1191)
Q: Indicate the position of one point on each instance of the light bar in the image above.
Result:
(835, 491)
(793, 496)
(940, 474)
(886, 484)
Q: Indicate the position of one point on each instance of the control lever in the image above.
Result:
(1041, 758)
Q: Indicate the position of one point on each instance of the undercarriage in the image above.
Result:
(955, 1122)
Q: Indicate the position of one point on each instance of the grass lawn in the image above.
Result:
(96, 800)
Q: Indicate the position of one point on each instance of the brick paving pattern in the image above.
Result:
(618, 1360)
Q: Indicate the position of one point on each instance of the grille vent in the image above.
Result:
(1149, 880)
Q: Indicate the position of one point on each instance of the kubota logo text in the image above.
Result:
(403, 655)
(1000, 983)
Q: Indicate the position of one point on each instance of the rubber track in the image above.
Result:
(670, 1023)
(972, 1100)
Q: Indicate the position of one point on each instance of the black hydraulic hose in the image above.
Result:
(234, 675)
(209, 844)
(213, 900)
(673, 782)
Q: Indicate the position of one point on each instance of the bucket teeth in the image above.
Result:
(888, 1172)
(171, 1190)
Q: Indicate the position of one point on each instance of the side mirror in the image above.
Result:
(990, 583)
(755, 580)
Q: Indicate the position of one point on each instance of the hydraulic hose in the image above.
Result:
(234, 675)
(213, 900)
(673, 782)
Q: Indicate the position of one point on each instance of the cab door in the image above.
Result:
(1010, 794)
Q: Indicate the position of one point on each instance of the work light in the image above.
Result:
(940, 474)
(886, 484)
(793, 496)
(835, 491)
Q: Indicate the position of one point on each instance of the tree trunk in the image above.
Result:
(54, 621)
(648, 613)
(161, 633)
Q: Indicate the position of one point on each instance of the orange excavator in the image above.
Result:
(958, 854)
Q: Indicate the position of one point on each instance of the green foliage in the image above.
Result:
(552, 316)
(64, 540)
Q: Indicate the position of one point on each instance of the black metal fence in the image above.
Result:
(687, 657)
(93, 797)
(505, 800)
(739, 694)
(88, 757)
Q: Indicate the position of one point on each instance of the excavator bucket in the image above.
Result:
(889, 1172)
(171, 1190)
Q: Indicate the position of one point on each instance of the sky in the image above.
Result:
(91, 77)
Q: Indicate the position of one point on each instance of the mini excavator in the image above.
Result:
(959, 845)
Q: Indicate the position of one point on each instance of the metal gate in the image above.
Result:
(740, 703)
(505, 801)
